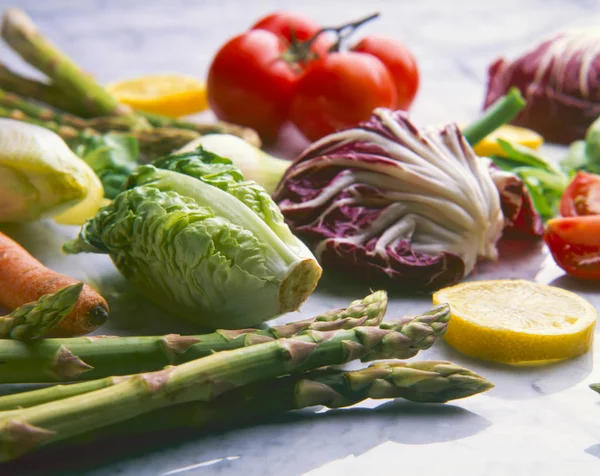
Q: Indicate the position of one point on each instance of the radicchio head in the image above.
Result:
(385, 199)
(559, 78)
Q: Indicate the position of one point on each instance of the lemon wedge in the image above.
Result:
(516, 135)
(517, 321)
(171, 95)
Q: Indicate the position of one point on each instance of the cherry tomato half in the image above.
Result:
(293, 26)
(582, 196)
(338, 91)
(399, 61)
(575, 244)
(250, 84)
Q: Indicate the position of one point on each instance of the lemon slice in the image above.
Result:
(517, 321)
(516, 135)
(167, 94)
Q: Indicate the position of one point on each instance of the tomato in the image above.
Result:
(575, 244)
(249, 84)
(399, 61)
(338, 91)
(582, 196)
(292, 26)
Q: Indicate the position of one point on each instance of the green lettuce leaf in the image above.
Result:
(201, 245)
(112, 156)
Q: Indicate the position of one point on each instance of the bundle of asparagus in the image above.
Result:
(230, 375)
(79, 103)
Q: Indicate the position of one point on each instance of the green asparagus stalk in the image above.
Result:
(35, 319)
(44, 93)
(207, 378)
(93, 357)
(246, 133)
(23, 36)
(15, 401)
(162, 141)
(153, 144)
(101, 124)
(51, 95)
(595, 387)
(425, 382)
(67, 133)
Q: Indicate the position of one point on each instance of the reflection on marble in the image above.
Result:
(540, 420)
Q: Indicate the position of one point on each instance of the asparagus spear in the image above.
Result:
(162, 141)
(15, 401)
(207, 378)
(34, 319)
(426, 382)
(87, 358)
(100, 124)
(23, 36)
(45, 93)
(249, 135)
(595, 387)
(51, 95)
(153, 143)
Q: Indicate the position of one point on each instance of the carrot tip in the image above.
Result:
(98, 315)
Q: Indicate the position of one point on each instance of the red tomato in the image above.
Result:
(575, 244)
(399, 61)
(582, 196)
(303, 28)
(338, 91)
(249, 84)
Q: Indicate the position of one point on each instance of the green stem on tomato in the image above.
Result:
(342, 32)
(501, 112)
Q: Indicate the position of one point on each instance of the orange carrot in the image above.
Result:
(24, 279)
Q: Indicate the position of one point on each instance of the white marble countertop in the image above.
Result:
(536, 421)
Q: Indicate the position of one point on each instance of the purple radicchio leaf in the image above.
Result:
(559, 78)
(385, 199)
(521, 219)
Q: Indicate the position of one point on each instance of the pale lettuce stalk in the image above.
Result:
(39, 175)
(198, 240)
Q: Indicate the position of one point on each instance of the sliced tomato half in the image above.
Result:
(582, 196)
(575, 244)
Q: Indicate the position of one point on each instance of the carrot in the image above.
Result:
(24, 279)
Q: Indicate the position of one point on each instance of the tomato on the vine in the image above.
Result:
(399, 61)
(288, 67)
(294, 27)
(582, 196)
(338, 91)
(250, 84)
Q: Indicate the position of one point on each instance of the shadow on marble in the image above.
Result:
(579, 286)
(294, 443)
(517, 382)
(594, 450)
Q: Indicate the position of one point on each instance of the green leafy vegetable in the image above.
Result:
(545, 181)
(197, 239)
(584, 154)
(39, 175)
(112, 156)
(255, 164)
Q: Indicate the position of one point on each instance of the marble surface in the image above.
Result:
(540, 420)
